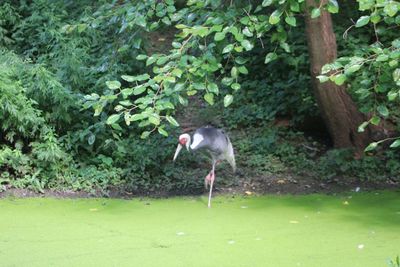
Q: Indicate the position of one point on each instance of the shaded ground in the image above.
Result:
(348, 230)
(243, 186)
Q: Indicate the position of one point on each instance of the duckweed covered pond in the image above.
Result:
(359, 229)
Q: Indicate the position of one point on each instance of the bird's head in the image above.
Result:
(184, 140)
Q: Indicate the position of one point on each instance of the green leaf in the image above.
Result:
(140, 89)
(234, 72)
(199, 86)
(126, 92)
(315, 13)
(396, 75)
(141, 21)
(183, 101)
(339, 79)
(162, 131)
(241, 60)
(393, 63)
(383, 110)
(266, 3)
(128, 78)
(247, 45)
(382, 58)
(176, 45)
(142, 77)
(275, 17)
(126, 103)
(172, 121)
(228, 99)
(375, 18)
(137, 117)
(391, 8)
(235, 86)
(141, 57)
(362, 21)
(392, 95)
(113, 84)
(181, 26)
(227, 49)
(162, 60)
(234, 30)
(219, 36)
(113, 118)
(91, 139)
(209, 98)
(371, 146)
(227, 80)
(270, 57)
(177, 72)
(361, 128)
(127, 118)
(154, 119)
(150, 60)
(395, 143)
(322, 78)
(170, 79)
(351, 69)
(294, 6)
(216, 28)
(213, 88)
(116, 127)
(333, 6)
(247, 32)
(375, 120)
(291, 21)
(200, 31)
(145, 134)
(166, 21)
(245, 20)
(243, 70)
(285, 46)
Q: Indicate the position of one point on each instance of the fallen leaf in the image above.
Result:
(281, 181)
(248, 193)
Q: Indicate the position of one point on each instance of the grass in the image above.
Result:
(359, 229)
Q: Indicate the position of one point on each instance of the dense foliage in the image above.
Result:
(80, 83)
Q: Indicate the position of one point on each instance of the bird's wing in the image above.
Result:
(197, 139)
(230, 155)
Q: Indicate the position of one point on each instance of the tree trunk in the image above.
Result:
(338, 110)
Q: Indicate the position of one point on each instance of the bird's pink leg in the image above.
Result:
(207, 180)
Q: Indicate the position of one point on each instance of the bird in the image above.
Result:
(218, 145)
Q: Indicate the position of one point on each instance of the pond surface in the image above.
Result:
(358, 229)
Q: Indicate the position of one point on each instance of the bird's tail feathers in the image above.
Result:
(231, 156)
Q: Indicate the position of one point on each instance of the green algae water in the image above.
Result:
(360, 229)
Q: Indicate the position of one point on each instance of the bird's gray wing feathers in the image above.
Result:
(217, 142)
(230, 156)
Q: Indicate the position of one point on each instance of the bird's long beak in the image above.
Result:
(178, 149)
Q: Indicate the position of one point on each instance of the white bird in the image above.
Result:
(216, 142)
